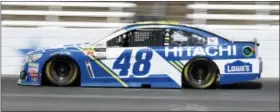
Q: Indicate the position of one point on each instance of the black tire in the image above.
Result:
(61, 71)
(200, 73)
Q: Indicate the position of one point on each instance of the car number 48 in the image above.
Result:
(143, 57)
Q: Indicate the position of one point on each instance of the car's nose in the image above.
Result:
(23, 75)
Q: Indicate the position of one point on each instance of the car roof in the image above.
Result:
(158, 22)
(154, 23)
(167, 23)
(170, 23)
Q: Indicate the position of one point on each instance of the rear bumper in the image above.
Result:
(242, 77)
(261, 65)
(236, 78)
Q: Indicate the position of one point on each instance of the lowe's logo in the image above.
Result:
(238, 67)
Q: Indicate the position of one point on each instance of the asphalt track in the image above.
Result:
(249, 96)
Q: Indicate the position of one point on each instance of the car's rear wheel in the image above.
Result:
(61, 71)
(200, 73)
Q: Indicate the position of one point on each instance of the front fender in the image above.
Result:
(32, 70)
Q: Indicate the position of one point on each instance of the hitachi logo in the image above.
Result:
(201, 51)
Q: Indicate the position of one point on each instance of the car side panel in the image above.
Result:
(159, 75)
(165, 70)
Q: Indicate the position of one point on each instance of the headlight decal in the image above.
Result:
(34, 57)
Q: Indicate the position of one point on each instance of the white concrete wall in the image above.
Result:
(14, 38)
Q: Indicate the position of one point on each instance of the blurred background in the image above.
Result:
(30, 25)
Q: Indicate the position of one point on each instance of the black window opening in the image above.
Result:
(183, 38)
(139, 38)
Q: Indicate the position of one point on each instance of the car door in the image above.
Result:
(131, 55)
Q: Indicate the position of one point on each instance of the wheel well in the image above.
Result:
(44, 79)
(200, 58)
(197, 59)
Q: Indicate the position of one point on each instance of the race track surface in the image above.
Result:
(250, 96)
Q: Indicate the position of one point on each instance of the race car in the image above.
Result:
(155, 54)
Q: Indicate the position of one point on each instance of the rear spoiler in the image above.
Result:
(254, 48)
(255, 40)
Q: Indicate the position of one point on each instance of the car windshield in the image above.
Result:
(106, 36)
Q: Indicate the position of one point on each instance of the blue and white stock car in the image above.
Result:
(149, 54)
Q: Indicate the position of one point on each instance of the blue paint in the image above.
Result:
(126, 56)
(139, 61)
(156, 81)
(236, 78)
(123, 63)
(101, 75)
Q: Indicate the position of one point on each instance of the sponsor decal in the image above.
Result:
(35, 79)
(34, 75)
(89, 51)
(238, 67)
(61, 53)
(201, 51)
(34, 57)
(212, 41)
(33, 68)
(178, 37)
(247, 51)
(139, 69)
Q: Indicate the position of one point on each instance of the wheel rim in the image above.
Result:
(199, 72)
(61, 71)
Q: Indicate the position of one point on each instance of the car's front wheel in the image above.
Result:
(61, 71)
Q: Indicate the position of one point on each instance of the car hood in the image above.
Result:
(56, 47)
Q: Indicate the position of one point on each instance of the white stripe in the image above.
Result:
(233, 7)
(62, 24)
(73, 4)
(118, 25)
(68, 13)
(233, 17)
